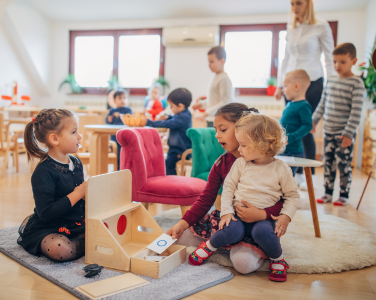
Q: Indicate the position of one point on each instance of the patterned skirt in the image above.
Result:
(209, 224)
(32, 231)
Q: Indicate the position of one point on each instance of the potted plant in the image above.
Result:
(113, 83)
(272, 86)
(75, 87)
(369, 143)
(163, 82)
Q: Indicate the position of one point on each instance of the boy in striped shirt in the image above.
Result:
(341, 105)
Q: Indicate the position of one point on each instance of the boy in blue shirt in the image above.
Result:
(179, 100)
(113, 117)
(296, 117)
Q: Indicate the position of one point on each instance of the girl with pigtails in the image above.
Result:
(56, 229)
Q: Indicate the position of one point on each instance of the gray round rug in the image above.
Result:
(343, 245)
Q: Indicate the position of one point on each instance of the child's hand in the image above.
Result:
(250, 213)
(177, 230)
(110, 118)
(225, 220)
(278, 93)
(346, 142)
(313, 130)
(77, 194)
(201, 117)
(197, 106)
(116, 115)
(283, 222)
(162, 117)
(81, 190)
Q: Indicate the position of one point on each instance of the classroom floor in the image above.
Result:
(17, 282)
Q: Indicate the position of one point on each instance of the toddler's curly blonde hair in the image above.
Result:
(263, 133)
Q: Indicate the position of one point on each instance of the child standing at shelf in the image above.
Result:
(114, 116)
(296, 118)
(220, 87)
(341, 105)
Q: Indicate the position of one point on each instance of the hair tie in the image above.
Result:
(33, 119)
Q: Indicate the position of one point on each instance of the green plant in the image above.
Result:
(163, 82)
(369, 79)
(75, 87)
(113, 83)
(272, 81)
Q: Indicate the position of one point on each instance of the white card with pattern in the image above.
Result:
(161, 243)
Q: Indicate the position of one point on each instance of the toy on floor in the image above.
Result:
(92, 270)
(115, 229)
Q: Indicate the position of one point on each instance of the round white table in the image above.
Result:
(307, 164)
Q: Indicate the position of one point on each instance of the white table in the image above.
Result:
(307, 164)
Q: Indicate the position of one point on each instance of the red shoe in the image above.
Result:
(195, 260)
(323, 199)
(278, 275)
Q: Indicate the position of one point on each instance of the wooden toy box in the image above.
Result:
(118, 231)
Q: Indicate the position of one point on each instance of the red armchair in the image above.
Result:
(142, 153)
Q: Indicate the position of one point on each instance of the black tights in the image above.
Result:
(60, 248)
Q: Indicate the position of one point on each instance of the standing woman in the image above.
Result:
(307, 38)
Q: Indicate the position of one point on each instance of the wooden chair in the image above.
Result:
(183, 163)
(83, 155)
(9, 143)
(112, 156)
(90, 119)
(5, 140)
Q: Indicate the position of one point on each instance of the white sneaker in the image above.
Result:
(303, 185)
(342, 201)
(299, 178)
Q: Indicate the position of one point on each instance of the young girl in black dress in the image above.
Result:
(56, 229)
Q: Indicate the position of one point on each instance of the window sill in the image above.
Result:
(104, 92)
(250, 92)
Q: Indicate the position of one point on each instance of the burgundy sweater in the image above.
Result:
(216, 178)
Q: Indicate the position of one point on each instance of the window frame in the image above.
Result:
(116, 34)
(275, 28)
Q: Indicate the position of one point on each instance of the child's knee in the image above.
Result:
(228, 235)
(262, 230)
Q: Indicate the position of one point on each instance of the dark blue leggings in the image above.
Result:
(262, 233)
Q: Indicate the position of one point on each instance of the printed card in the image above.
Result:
(161, 243)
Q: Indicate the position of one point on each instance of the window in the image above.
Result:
(248, 65)
(254, 54)
(136, 57)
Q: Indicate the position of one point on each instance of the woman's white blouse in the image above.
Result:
(304, 45)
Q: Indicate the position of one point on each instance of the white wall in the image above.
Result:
(370, 27)
(30, 32)
(369, 40)
(187, 66)
(12, 69)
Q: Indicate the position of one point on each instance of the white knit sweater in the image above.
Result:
(260, 185)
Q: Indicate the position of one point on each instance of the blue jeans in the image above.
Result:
(262, 233)
(294, 155)
(171, 160)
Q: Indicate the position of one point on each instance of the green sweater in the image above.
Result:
(297, 121)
